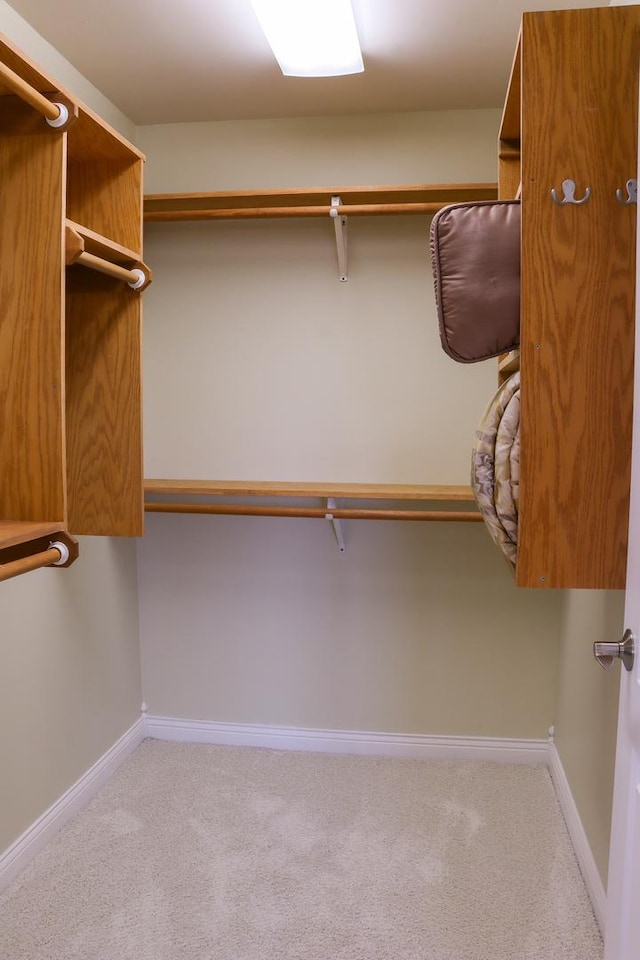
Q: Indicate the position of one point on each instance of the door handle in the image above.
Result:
(606, 653)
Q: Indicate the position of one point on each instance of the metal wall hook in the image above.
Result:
(632, 193)
(569, 193)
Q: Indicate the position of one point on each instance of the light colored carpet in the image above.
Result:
(195, 852)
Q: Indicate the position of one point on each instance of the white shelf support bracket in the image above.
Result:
(337, 525)
(340, 223)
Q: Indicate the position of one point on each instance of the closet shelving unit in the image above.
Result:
(571, 115)
(333, 501)
(71, 199)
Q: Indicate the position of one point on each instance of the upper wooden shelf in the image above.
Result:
(348, 491)
(101, 246)
(313, 202)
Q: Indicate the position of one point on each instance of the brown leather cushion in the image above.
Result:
(475, 252)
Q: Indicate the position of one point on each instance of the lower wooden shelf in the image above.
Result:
(156, 492)
(16, 532)
(27, 545)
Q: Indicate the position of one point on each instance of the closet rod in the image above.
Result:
(56, 555)
(339, 513)
(56, 114)
(135, 277)
(322, 210)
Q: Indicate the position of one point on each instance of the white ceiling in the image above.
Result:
(167, 61)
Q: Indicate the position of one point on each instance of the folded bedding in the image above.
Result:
(495, 466)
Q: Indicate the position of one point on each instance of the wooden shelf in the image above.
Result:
(390, 492)
(314, 202)
(101, 246)
(16, 532)
(348, 491)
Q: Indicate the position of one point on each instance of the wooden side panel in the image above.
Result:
(510, 124)
(579, 121)
(104, 424)
(31, 327)
(106, 197)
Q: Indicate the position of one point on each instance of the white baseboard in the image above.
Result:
(348, 741)
(588, 867)
(35, 838)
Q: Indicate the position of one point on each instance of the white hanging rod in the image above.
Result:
(56, 114)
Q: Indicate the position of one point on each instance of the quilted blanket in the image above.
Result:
(495, 466)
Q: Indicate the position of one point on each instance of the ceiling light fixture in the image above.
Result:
(311, 38)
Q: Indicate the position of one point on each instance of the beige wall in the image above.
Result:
(69, 661)
(587, 711)
(417, 628)
(441, 147)
(70, 677)
(259, 363)
(277, 370)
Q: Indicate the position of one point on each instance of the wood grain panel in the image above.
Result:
(104, 430)
(349, 491)
(91, 140)
(106, 197)
(31, 331)
(510, 123)
(337, 513)
(579, 121)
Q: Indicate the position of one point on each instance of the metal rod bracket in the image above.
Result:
(337, 524)
(340, 224)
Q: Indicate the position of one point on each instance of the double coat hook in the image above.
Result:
(569, 194)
